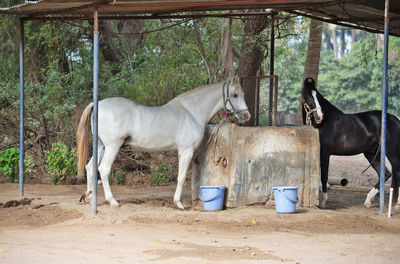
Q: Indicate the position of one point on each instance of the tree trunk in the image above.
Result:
(133, 27)
(342, 42)
(334, 40)
(327, 38)
(353, 37)
(227, 52)
(312, 62)
(63, 62)
(108, 49)
(250, 61)
(111, 51)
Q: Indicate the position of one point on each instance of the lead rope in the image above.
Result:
(214, 137)
(214, 132)
(376, 154)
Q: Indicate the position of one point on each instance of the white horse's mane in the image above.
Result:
(196, 90)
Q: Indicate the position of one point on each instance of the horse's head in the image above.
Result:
(310, 99)
(234, 102)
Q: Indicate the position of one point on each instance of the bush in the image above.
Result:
(9, 160)
(61, 162)
(9, 164)
(160, 174)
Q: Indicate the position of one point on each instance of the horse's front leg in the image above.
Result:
(324, 178)
(185, 157)
(195, 183)
(376, 165)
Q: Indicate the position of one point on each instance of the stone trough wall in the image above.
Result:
(249, 161)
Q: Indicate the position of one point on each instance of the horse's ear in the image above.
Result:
(309, 83)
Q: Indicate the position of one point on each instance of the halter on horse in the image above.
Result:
(177, 125)
(227, 99)
(350, 134)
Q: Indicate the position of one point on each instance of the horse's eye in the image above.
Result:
(235, 95)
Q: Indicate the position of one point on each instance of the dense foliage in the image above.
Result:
(60, 162)
(352, 82)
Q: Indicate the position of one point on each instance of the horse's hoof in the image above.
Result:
(180, 205)
(86, 197)
(367, 204)
(114, 203)
(83, 199)
(322, 200)
(196, 202)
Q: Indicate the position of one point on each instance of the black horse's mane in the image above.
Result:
(326, 104)
(309, 84)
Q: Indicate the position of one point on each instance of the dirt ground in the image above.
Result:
(51, 226)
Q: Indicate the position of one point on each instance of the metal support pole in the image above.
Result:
(95, 108)
(21, 109)
(275, 113)
(271, 72)
(384, 110)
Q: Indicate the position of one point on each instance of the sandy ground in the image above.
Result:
(53, 227)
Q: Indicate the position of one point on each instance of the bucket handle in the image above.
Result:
(215, 196)
(293, 201)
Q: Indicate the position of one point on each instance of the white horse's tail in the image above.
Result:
(82, 138)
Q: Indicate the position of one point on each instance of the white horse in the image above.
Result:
(177, 125)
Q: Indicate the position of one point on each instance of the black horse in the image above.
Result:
(351, 134)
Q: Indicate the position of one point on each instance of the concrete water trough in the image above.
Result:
(249, 161)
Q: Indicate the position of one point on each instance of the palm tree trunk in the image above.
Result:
(312, 62)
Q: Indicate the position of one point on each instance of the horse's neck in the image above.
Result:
(330, 107)
(202, 102)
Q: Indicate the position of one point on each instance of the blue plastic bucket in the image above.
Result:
(285, 199)
(212, 197)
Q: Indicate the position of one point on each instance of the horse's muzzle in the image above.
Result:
(243, 117)
(318, 116)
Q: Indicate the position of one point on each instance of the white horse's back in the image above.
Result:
(146, 128)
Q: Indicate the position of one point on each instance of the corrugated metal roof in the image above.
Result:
(363, 14)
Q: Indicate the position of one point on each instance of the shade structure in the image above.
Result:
(369, 15)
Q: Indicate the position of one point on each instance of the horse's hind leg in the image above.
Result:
(195, 182)
(374, 160)
(324, 178)
(89, 170)
(395, 162)
(396, 186)
(184, 160)
(109, 156)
